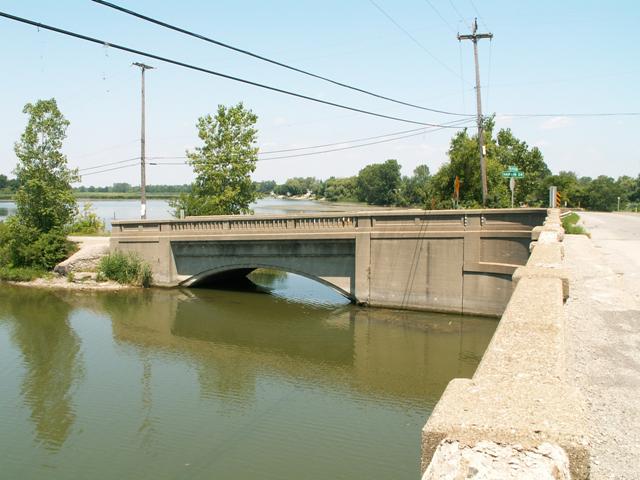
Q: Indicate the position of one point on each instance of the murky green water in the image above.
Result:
(202, 384)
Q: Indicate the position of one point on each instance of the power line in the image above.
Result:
(109, 170)
(478, 13)
(603, 114)
(110, 163)
(459, 14)
(446, 22)
(345, 141)
(413, 39)
(356, 140)
(212, 72)
(316, 153)
(266, 59)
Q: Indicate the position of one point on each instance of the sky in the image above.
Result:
(546, 57)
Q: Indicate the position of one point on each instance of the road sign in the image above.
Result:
(513, 174)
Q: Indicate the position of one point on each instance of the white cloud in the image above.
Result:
(555, 123)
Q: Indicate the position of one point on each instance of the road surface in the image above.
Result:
(603, 340)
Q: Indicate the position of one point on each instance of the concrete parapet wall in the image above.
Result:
(519, 399)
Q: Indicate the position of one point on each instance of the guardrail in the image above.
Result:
(505, 219)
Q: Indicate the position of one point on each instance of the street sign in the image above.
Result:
(513, 172)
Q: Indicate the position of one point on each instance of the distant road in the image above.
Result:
(618, 237)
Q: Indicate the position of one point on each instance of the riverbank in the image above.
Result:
(78, 272)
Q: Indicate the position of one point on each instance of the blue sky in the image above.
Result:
(546, 57)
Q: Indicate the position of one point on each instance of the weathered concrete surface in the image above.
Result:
(86, 259)
(491, 461)
(603, 312)
(452, 261)
(519, 397)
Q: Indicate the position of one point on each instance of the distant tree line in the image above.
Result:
(224, 163)
(128, 188)
(383, 184)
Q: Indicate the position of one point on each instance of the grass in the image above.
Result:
(569, 223)
(126, 269)
(20, 274)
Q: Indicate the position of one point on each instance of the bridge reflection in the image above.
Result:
(366, 351)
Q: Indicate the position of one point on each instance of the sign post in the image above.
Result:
(512, 173)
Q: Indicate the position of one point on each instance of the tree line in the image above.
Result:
(383, 184)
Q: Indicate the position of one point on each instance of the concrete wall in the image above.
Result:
(452, 261)
(518, 417)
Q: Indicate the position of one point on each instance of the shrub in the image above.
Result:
(25, 246)
(569, 223)
(127, 269)
(87, 223)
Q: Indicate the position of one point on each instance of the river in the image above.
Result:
(283, 381)
(108, 210)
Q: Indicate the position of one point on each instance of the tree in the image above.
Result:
(464, 162)
(511, 151)
(340, 189)
(603, 194)
(572, 190)
(379, 183)
(416, 190)
(44, 199)
(223, 165)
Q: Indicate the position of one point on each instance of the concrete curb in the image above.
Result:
(519, 397)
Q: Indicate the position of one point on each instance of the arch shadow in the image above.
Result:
(237, 272)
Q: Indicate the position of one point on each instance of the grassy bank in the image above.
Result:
(20, 274)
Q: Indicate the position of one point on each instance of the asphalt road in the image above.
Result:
(617, 235)
(603, 338)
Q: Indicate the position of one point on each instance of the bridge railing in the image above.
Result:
(456, 220)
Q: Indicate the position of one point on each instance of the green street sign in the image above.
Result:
(513, 174)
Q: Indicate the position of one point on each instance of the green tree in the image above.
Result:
(464, 162)
(568, 185)
(340, 189)
(512, 151)
(416, 190)
(44, 199)
(603, 194)
(379, 183)
(223, 165)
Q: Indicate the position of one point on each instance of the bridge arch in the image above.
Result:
(242, 270)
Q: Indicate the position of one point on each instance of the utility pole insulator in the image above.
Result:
(143, 176)
(474, 37)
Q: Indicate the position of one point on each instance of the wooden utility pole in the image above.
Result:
(143, 175)
(474, 37)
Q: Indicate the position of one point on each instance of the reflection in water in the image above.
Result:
(221, 384)
(51, 355)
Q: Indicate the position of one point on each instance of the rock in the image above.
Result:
(86, 259)
(489, 461)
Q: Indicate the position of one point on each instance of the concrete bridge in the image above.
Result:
(452, 261)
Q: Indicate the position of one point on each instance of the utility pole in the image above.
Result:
(474, 37)
(143, 175)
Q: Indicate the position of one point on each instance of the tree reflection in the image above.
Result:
(50, 351)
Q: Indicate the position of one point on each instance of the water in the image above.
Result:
(108, 210)
(285, 382)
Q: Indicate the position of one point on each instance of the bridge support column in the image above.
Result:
(362, 267)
